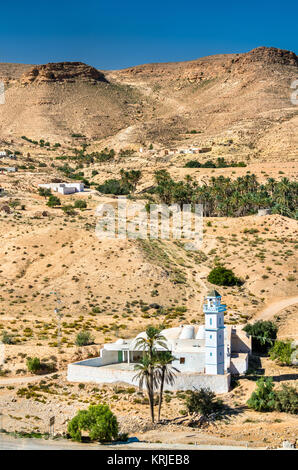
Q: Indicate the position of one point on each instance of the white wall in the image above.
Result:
(239, 365)
(66, 190)
(193, 362)
(80, 372)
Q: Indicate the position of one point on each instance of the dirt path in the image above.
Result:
(24, 380)
(268, 312)
(10, 443)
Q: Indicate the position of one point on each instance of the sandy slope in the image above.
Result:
(268, 312)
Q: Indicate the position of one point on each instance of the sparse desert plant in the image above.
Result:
(80, 204)
(33, 364)
(84, 338)
(45, 192)
(203, 401)
(7, 338)
(287, 399)
(69, 210)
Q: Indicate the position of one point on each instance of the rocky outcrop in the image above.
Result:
(62, 72)
(271, 55)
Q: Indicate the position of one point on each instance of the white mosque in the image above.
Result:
(205, 355)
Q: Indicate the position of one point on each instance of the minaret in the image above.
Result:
(214, 334)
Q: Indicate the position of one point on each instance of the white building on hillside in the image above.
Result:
(205, 355)
(64, 188)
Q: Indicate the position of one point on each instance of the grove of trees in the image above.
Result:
(224, 197)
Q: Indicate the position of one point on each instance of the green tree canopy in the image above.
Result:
(263, 398)
(263, 335)
(97, 420)
(221, 276)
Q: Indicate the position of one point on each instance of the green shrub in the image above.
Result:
(203, 401)
(263, 398)
(281, 351)
(45, 192)
(98, 421)
(221, 276)
(193, 164)
(80, 204)
(69, 210)
(287, 399)
(6, 338)
(84, 338)
(33, 365)
(263, 335)
(53, 201)
(113, 186)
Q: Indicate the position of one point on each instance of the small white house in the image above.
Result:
(205, 355)
(9, 169)
(64, 188)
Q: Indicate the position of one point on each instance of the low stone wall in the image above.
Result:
(239, 364)
(93, 373)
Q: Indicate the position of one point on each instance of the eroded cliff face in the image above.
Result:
(62, 72)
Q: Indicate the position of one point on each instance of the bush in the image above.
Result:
(193, 164)
(53, 201)
(287, 399)
(281, 351)
(45, 192)
(263, 398)
(33, 365)
(113, 186)
(221, 276)
(84, 338)
(6, 338)
(69, 210)
(98, 421)
(263, 334)
(203, 401)
(80, 204)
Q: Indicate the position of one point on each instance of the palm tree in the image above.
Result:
(152, 339)
(165, 374)
(149, 343)
(147, 373)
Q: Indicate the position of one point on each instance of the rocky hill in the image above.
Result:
(62, 72)
(244, 98)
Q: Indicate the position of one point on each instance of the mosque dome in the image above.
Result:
(188, 332)
(201, 332)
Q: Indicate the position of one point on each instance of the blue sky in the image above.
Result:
(118, 34)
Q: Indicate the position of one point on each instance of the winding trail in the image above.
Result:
(24, 380)
(272, 309)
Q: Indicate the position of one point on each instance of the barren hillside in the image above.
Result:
(243, 98)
